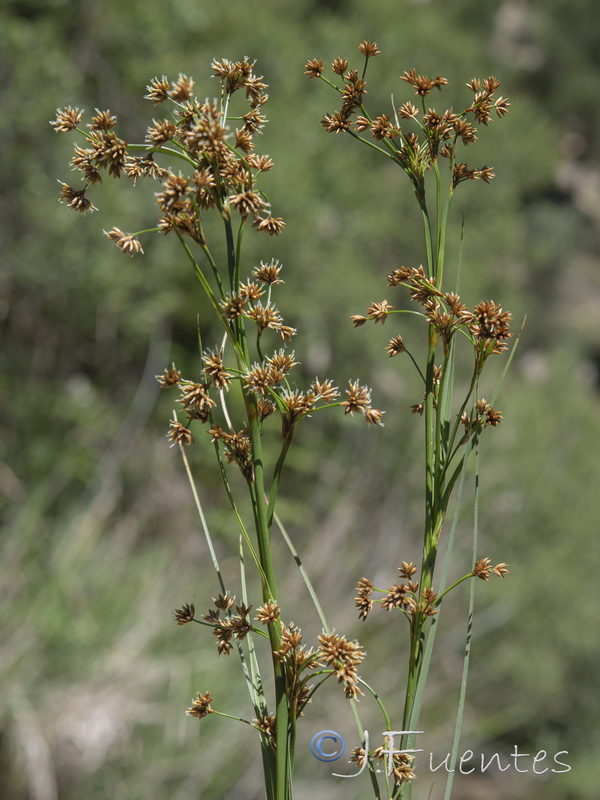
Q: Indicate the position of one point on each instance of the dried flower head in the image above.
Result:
(170, 377)
(184, 614)
(344, 657)
(268, 273)
(339, 66)
(422, 84)
(76, 199)
(179, 434)
(182, 89)
(369, 49)
(158, 90)
(325, 390)
(359, 398)
(201, 706)
(271, 225)
(313, 68)
(267, 613)
(83, 160)
(126, 242)
(482, 569)
(67, 119)
(379, 311)
(407, 570)
(396, 346)
(215, 370)
(161, 132)
(102, 121)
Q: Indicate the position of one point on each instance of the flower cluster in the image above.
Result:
(201, 706)
(343, 657)
(223, 166)
(297, 660)
(486, 326)
(412, 599)
(236, 626)
(429, 133)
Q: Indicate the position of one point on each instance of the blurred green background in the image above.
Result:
(99, 539)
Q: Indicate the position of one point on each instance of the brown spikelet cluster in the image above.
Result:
(359, 401)
(487, 327)
(401, 763)
(267, 725)
(297, 660)
(403, 596)
(343, 657)
(483, 569)
(170, 377)
(229, 626)
(363, 600)
(237, 448)
(179, 434)
(195, 400)
(126, 242)
(201, 706)
(214, 369)
(184, 614)
(267, 613)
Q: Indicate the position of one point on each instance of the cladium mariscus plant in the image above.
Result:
(250, 368)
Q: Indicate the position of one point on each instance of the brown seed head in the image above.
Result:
(170, 377)
(500, 570)
(271, 225)
(339, 66)
(182, 89)
(359, 398)
(160, 132)
(102, 121)
(335, 123)
(313, 68)
(263, 163)
(158, 90)
(126, 242)
(382, 128)
(195, 400)
(67, 119)
(215, 370)
(422, 84)
(224, 602)
(482, 569)
(201, 707)
(184, 614)
(265, 316)
(268, 273)
(76, 199)
(407, 570)
(369, 49)
(179, 434)
(267, 613)
(325, 390)
(396, 346)
(83, 161)
(379, 311)
(408, 111)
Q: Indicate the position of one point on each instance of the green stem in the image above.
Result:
(209, 292)
(287, 442)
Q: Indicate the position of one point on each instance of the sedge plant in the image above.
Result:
(427, 146)
(201, 153)
(218, 173)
